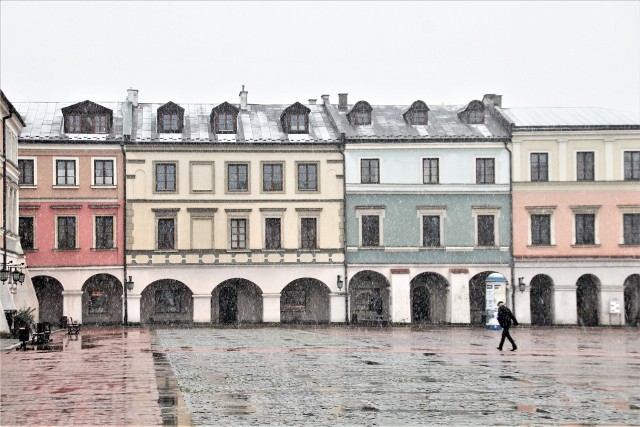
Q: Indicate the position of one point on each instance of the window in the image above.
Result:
(104, 232)
(370, 230)
(272, 177)
(485, 171)
(100, 123)
(631, 229)
(370, 171)
(362, 118)
(25, 167)
(226, 122)
(585, 229)
(431, 231)
(308, 233)
(308, 177)
(170, 122)
(486, 234)
(66, 232)
(539, 167)
(475, 117)
(168, 300)
(585, 168)
(540, 230)
(165, 177)
(272, 233)
(65, 172)
(237, 177)
(238, 233)
(419, 117)
(166, 233)
(632, 166)
(73, 123)
(360, 114)
(25, 230)
(430, 171)
(103, 172)
(297, 123)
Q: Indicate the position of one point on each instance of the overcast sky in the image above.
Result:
(537, 54)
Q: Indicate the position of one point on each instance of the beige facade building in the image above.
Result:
(234, 213)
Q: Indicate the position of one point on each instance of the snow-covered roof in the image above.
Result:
(388, 122)
(568, 117)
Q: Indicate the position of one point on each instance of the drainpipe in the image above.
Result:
(342, 146)
(124, 229)
(4, 188)
(511, 261)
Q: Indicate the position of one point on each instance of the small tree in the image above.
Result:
(24, 317)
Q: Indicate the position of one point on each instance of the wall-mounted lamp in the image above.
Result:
(12, 272)
(339, 283)
(129, 283)
(521, 285)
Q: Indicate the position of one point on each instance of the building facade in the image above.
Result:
(234, 214)
(576, 201)
(427, 210)
(71, 208)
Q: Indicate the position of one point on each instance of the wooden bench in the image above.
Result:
(73, 328)
(42, 333)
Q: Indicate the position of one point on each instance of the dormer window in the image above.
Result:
(473, 114)
(87, 117)
(360, 114)
(417, 114)
(295, 119)
(224, 118)
(170, 118)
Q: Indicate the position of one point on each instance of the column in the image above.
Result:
(563, 172)
(460, 302)
(271, 308)
(611, 295)
(565, 305)
(202, 308)
(72, 305)
(523, 304)
(133, 307)
(337, 307)
(400, 296)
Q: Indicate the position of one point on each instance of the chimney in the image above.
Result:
(492, 100)
(132, 96)
(243, 99)
(342, 101)
(312, 101)
(325, 100)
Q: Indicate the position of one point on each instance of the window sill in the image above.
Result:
(66, 187)
(432, 248)
(28, 186)
(237, 192)
(29, 250)
(629, 245)
(367, 248)
(541, 246)
(166, 251)
(239, 251)
(67, 250)
(578, 246)
(104, 249)
(104, 186)
(309, 249)
(487, 247)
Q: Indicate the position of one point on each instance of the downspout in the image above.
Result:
(4, 189)
(511, 260)
(124, 229)
(343, 140)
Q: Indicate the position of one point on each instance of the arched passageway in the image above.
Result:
(166, 301)
(305, 301)
(541, 300)
(429, 298)
(369, 295)
(588, 300)
(50, 299)
(102, 300)
(632, 300)
(478, 298)
(236, 301)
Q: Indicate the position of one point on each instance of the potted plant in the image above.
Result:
(24, 318)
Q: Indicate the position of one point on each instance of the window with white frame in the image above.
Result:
(631, 225)
(541, 225)
(26, 168)
(166, 230)
(307, 177)
(104, 231)
(585, 219)
(165, 177)
(238, 229)
(309, 233)
(237, 177)
(66, 172)
(103, 172)
(585, 168)
(485, 171)
(486, 220)
(430, 171)
(431, 226)
(272, 177)
(370, 221)
(539, 167)
(370, 171)
(632, 165)
(66, 232)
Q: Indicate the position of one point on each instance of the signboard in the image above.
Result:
(496, 290)
(614, 306)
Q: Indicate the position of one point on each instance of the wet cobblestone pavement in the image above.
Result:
(399, 376)
(325, 376)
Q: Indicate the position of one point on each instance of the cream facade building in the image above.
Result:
(234, 213)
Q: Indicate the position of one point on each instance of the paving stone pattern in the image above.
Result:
(403, 376)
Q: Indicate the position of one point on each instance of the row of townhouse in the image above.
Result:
(320, 212)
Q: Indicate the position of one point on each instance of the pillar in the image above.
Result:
(400, 296)
(565, 305)
(133, 307)
(337, 307)
(72, 305)
(271, 308)
(202, 308)
(460, 302)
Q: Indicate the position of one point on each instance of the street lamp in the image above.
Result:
(12, 272)
(129, 284)
(339, 283)
(521, 285)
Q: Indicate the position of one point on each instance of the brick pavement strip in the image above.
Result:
(104, 377)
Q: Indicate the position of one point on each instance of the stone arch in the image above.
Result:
(369, 294)
(588, 300)
(632, 300)
(478, 298)
(102, 300)
(166, 301)
(429, 298)
(541, 301)
(50, 299)
(236, 301)
(305, 300)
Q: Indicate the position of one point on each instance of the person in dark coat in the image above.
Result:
(505, 316)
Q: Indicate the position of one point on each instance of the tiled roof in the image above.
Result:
(566, 117)
(387, 122)
(259, 123)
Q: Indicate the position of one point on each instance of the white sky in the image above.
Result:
(537, 54)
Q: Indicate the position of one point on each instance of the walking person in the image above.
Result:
(505, 316)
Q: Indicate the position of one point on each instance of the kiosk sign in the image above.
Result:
(496, 286)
